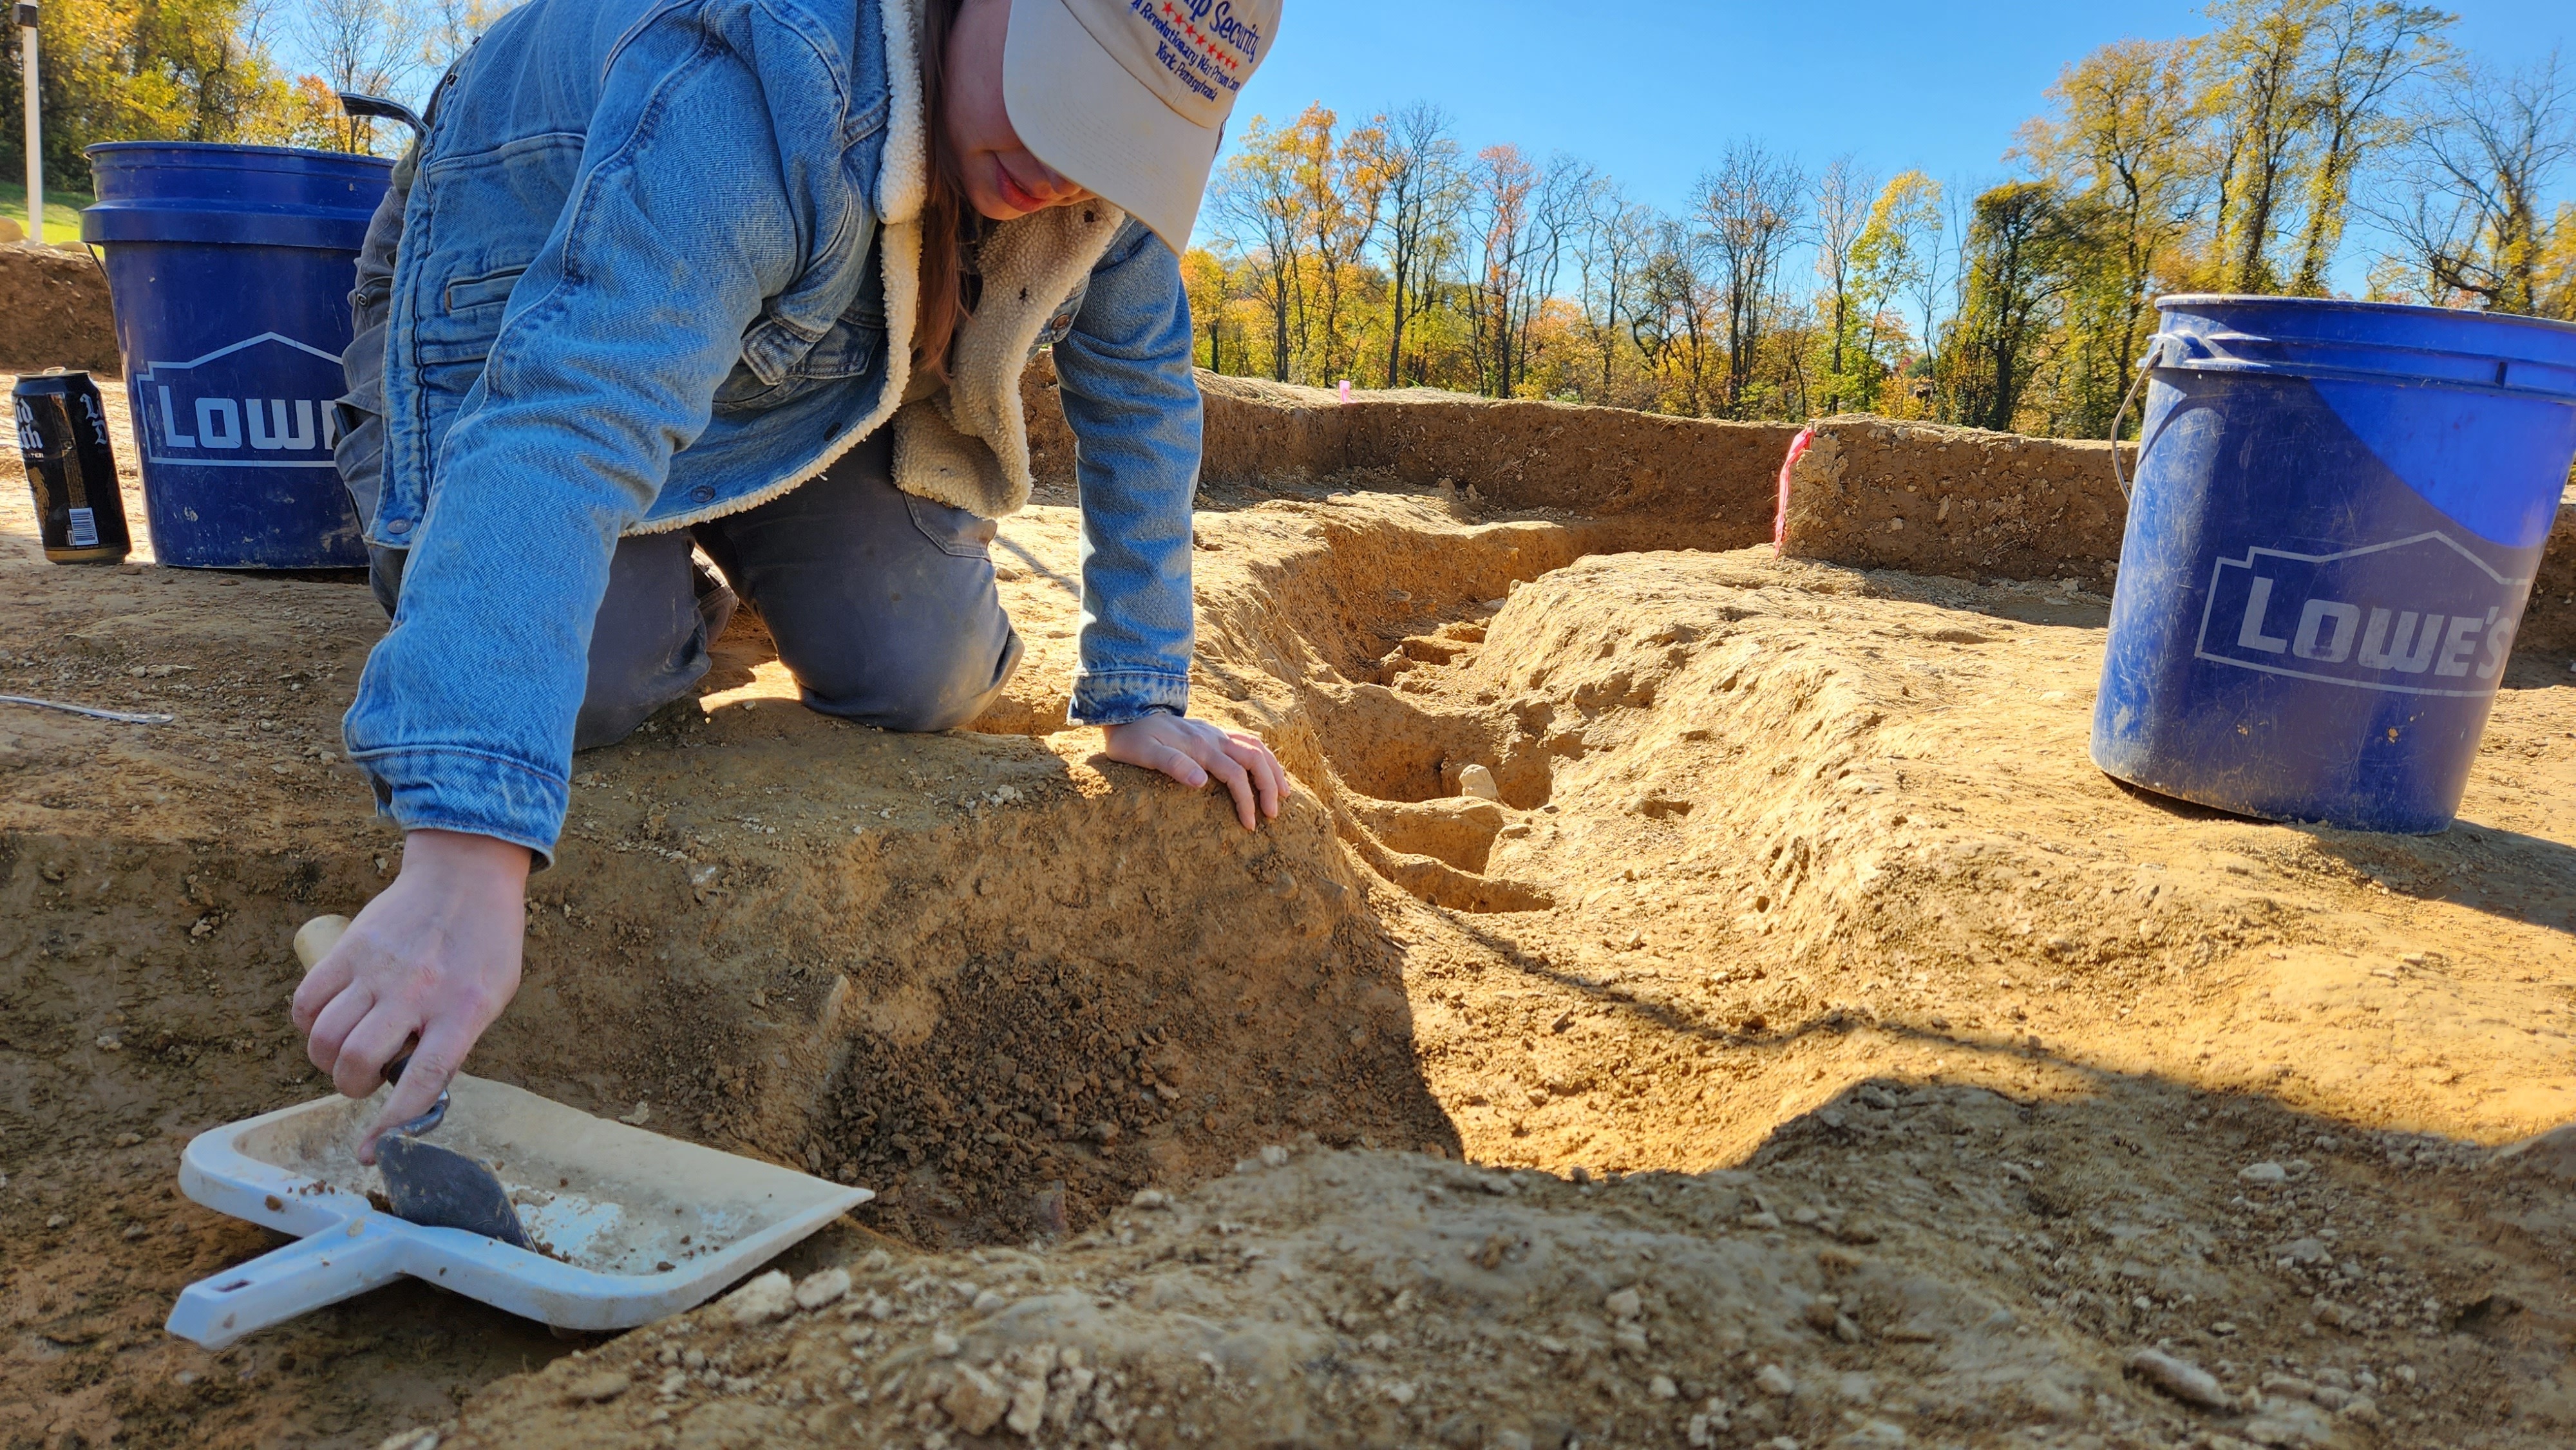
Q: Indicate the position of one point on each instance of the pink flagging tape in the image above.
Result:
(1788, 466)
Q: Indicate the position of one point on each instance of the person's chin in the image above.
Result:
(998, 211)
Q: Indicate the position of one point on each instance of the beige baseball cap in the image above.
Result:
(1129, 97)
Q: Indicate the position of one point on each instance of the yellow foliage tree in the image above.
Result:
(145, 70)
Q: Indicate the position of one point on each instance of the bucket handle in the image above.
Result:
(2146, 365)
(380, 109)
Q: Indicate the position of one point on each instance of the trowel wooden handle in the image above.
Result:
(315, 938)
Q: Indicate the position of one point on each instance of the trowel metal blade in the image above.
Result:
(439, 1187)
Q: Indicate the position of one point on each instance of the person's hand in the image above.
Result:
(435, 957)
(1194, 751)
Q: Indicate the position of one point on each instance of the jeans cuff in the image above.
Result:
(447, 789)
(1115, 697)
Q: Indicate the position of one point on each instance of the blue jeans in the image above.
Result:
(882, 605)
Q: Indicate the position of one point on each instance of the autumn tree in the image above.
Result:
(1503, 194)
(1424, 190)
(1340, 182)
(1677, 318)
(1842, 194)
(2364, 50)
(1748, 213)
(2249, 80)
(1560, 210)
(1616, 245)
(1204, 279)
(371, 47)
(1385, 253)
(146, 70)
(1257, 201)
(2489, 148)
(2120, 147)
(1898, 253)
(2021, 241)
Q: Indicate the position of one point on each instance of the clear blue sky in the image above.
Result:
(1651, 93)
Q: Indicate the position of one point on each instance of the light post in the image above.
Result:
(26, 12)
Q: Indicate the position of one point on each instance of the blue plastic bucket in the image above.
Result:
(2338, 511)
(230, 269)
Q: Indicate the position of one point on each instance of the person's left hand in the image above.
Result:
(1194, 751)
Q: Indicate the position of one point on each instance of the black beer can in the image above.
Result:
(62, 432)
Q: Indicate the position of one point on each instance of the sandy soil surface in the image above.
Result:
(1801, 1042)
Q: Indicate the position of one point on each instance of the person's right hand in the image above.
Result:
(435, 957)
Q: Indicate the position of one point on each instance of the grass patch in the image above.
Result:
(62, 210)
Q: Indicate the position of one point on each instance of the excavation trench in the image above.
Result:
(1795, 871)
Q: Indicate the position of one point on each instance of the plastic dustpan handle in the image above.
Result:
(325, 1268)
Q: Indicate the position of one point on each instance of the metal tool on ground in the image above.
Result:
(426, 1183)
(627, 1226)
(122, 717)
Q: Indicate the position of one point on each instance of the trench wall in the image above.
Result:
(1706, 483)
(1964, 502)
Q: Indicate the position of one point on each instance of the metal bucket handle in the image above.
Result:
(2147, 364)
(380, 109)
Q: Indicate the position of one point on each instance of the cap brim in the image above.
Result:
(1079, 111)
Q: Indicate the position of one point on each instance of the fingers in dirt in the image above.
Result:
(1238, 783)
(1269, 778)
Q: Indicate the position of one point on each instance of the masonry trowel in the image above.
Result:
(425, 1183)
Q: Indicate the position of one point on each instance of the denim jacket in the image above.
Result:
(645, 276)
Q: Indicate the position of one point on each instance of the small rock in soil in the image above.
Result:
(2181, 1379)
(974, 1403)
(763, 1299)
(596, 1386)
(823, 1288)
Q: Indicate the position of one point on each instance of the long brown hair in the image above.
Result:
(945, 219)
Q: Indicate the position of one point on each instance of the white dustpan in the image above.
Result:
(638, 1226)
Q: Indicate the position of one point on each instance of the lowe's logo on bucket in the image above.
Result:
(222, 410)
(2406, 618)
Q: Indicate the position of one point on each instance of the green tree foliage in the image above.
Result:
(207, 70)
(2025, 244)
(123, 70)
(1897, 262)
(2236, 161)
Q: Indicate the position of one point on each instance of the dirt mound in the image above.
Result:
(54, 312)
(1909, 1265)
(1818, 819)
(1793, 900)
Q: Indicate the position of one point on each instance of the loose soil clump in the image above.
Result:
(1834, 1056)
